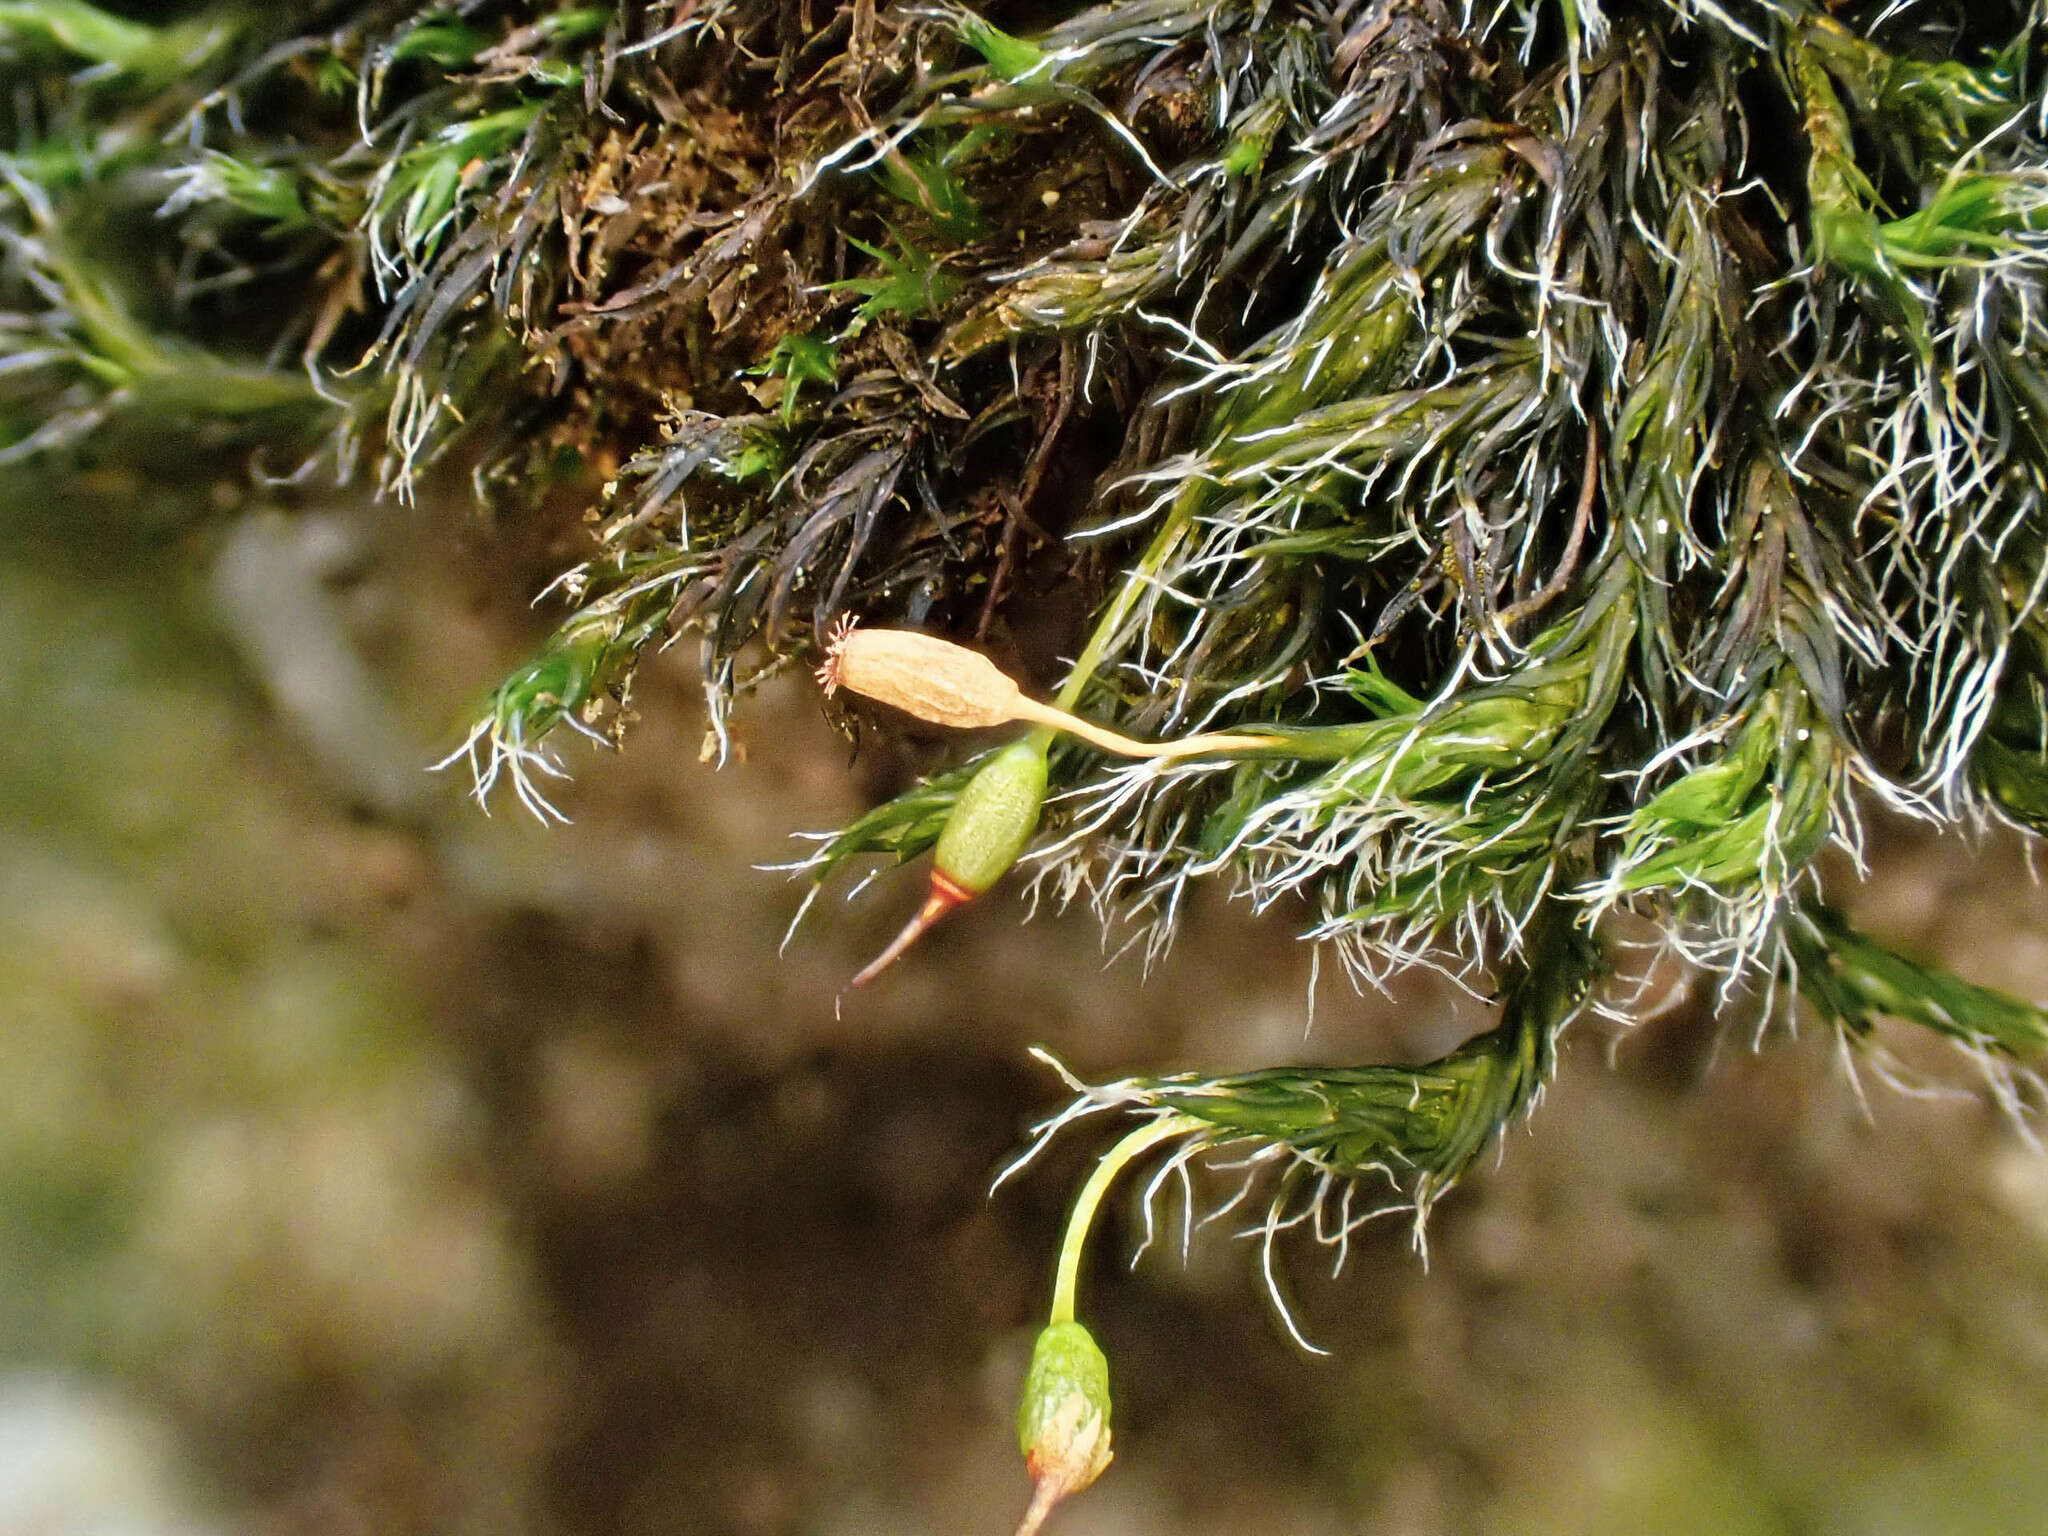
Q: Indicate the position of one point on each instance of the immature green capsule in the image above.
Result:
(990, 824)
(1063, 1418)
(993, 819)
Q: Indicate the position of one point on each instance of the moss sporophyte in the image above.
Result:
(1511, 505)
(997, 811)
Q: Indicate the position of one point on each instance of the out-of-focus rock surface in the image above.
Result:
(368, 1164)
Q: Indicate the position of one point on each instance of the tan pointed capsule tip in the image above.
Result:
(1058, 1476)
(922, 675)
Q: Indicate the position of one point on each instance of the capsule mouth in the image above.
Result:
(832, 670)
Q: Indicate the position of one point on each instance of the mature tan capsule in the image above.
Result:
(948, 684)
(922, 675)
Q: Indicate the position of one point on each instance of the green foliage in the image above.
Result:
(909, 283)
(901, 828)
(927, 178)
(138, 56)
(448, 42)
(417, 201)
(1009, 58)
(270, 194)
(1853, 982)
(801, 358)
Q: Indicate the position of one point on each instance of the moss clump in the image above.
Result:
(1588, 445)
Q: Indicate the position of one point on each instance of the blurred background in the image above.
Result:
(372, 1165)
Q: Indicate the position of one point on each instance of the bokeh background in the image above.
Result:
(371, 1165)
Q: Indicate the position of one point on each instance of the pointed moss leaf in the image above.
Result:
(924, 178)
(578, 24)
(801, 358)
(1010, 57)
(901, 828)
(1379, 692)
(448, 43)
(1854, 980)
(909, 283)
(149, 53)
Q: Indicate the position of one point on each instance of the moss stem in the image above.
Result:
(1140, 576)
(1112, 1162)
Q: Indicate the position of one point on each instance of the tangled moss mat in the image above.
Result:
(1593, 447)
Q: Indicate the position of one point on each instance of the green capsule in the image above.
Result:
(993, 819)
(988, 827)
(1063, 1419)
(1066, 1396)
